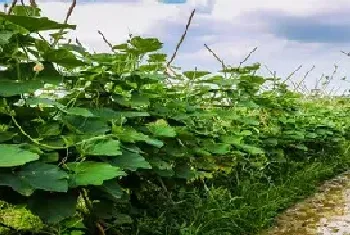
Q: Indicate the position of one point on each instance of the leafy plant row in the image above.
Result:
(109, 128)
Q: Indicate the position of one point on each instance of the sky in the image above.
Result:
(287, 33)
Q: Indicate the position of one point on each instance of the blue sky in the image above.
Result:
(287, 33)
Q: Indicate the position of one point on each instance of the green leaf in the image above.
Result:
(162, 129)
(155, 142)
(195, 74)
(88, 126)
(34, 24)
(246, 132)
(157, 57)
(112, 188)
(108, 113)
(271, 142)
(92, 173)
(108, 147)
(6, 135)
(50, 157)
(63, 57)
(49, 129)
(79, 111)
(131, 161)
(231, 139)
(160, 164)
(134, 102)
(5, 36)
(218, 148)
(10, 88)
(144, 45)
(26, 11)
(122, 46)
(44, 176)
(311, 135)
(53, 207)
(132, 114)
(74, 47)
(43, 102)
(185, 172)
(127, 134)
(252, 149)
(21, 186)
(36, 175)
(13, 155)
(123, 219)
(74, 222)
(104, 209)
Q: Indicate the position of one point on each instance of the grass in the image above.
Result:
(253, 206)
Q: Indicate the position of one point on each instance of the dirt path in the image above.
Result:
(325, 213)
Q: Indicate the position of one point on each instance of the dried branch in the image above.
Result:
(105, 40)
(182, 38)
(216, 56)
(330, 78)
(272, 73)
(290, 75)
(246, 58)
(70, 11)
(14, 2)
(348, 54)
(33, 3)
(305, 76)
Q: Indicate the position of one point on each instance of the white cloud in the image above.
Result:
(113, 19)
(228, 9)
(222, 24)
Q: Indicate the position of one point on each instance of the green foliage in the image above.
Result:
(123, 132)
(14, 155)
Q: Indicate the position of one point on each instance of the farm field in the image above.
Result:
(125, 143)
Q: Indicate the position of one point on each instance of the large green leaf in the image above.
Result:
(5, 36)
(43, 102)
(63, 57)
(35, 24)
(92, 173)
(132, 114)
(155, 142)
(49, 129)
(14, 155)
(45, 176)
(36, 175)
(161, 128)
(79, 111)
(185, 172)
(88, 126)
(53, 207)
(144, 45)
(108, 113)
(195, 74)
(26, 11)
(10, 88)
(131, 161)
(128, 135)
(108, 147)
(134, 102)
(157, 57)
(218, 148)
(112, 188)
(21, 186)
